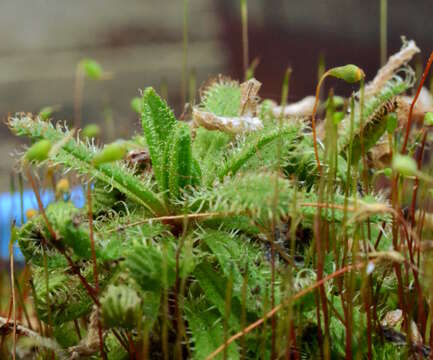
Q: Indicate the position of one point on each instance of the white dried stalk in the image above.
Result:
(90, 344)
(381, 153)
(6, 327)
(230, 125)
(301, 108)
(249, 97)
(396, 61)
(36, 339)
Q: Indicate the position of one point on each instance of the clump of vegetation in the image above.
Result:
(237, 234)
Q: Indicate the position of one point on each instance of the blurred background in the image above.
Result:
(140, 43)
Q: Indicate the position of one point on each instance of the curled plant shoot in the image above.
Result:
(348, 73)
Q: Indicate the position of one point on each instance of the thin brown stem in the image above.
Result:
(40, 205)
(412, 105)
(313, 122)
(185, 51)
(396, 246)
(74, 267)
(169, 218)
(21, 299)
(132, 350)
(78, 95)
(277, 308)
(420, 302)
(318, 228)
(178, 294)
(245, 50)
(14, 310)
(95, 265)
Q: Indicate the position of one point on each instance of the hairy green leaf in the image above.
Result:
(77, 156)
(157, 121)
(215, 286)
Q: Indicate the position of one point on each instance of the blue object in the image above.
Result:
(10, 210)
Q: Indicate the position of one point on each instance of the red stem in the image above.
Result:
(74, 267)
(313, 122)
(368, 313)
(277, 308)
(395, 244)
(95, 265)
(412, 105)
(41, 206)
(422, 315)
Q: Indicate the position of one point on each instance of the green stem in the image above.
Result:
(245, 50)
(383, 31)
(185, 50)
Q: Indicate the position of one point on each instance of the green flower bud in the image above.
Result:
(137, 104)
(91, 131)
(391, 122)
(92, 69)
(404, 164)
(337, 117)
(39, 151)
(46, 113)
(428, 119)
(110, 153)
(387, 172)
(349, 73)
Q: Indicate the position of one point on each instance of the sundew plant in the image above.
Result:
(248, 230)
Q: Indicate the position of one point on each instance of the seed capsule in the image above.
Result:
(62, 186)
(91, 131)
(349, 73)
(31, 213)
(46, 113)
(92, 69)
(137, 104)
(39, 151)
(387, 172)
(404, 164)
(110, 153)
